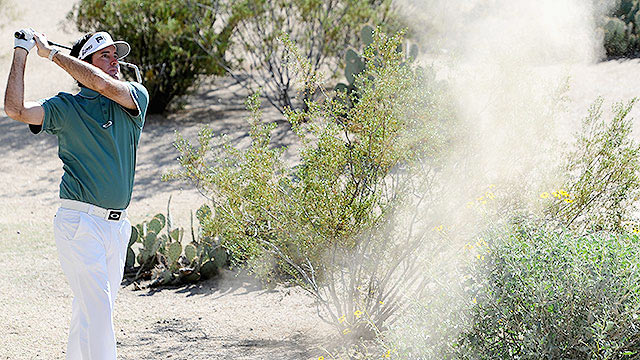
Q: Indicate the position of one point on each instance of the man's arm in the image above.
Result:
(14, 105)
(91, 76)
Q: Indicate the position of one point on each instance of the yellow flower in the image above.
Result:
(491, 186)
(387, 354)
(381, 302)
(321, 358)
(438, 228)
(358, 313)
(490, 195)
(480, 198)
(474, 301)
(556, 194)
(478, 256)
(346, 331)
(568, 200)
(564, 193)
(544, 195)
(342, 319)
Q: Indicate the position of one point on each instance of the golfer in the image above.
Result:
(98, 131)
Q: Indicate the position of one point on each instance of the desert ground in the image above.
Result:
(231, 317)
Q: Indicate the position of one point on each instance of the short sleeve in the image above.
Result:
(54, 109)
(140, 96)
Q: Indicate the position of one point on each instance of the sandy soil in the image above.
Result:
(232, 317)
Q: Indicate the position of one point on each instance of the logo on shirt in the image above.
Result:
(107, 124)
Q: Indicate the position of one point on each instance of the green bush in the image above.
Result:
(329, 221)
(601, 174)
(165, 37)
(322, 30)
(554, 285)
(550, 295)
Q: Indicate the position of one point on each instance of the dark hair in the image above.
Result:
(75, 51)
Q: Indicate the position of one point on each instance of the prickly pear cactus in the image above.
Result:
(209, 269)
(173, 252)
(622, 30)
(162, 257)
(355, 62)
(131, 256)
(156, 224)
(190, 252)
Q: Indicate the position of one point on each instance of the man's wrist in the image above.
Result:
(26, 52)
(52, 53)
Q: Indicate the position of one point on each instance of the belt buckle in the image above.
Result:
(114, 215)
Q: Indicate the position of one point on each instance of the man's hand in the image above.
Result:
(43, 45)
(26, 41)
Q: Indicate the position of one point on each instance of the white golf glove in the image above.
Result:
(26, 40)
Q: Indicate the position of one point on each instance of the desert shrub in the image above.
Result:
(622, 30)
(552, 295)
(322, 30)
(601, 174)
(354, 62)
(164, 37)
(328, 220)
(165, 259)
(554, 283)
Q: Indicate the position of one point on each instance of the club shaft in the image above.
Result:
(19, 35)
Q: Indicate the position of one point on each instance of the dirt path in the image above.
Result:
(232, 317)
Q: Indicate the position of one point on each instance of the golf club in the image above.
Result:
(135, 68)
(20, 35)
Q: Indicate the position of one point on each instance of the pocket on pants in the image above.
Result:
(66, 223)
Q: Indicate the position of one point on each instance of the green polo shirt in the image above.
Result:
(97, 143)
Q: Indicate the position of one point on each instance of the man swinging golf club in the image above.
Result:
(98, 130)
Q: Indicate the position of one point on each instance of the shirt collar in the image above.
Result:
(88, 93)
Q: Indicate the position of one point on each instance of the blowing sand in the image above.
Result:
(231, 317)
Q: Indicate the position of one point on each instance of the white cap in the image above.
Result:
(101, 40)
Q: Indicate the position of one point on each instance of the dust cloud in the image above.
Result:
(509, 66)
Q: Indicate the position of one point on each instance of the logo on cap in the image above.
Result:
(87, 49)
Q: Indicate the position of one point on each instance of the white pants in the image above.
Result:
(92, 253)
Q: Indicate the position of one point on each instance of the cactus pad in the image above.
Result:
(131, 259)
(190, 252)
(208, 270)
(174, 251)
(155, 225)
(134, 236)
